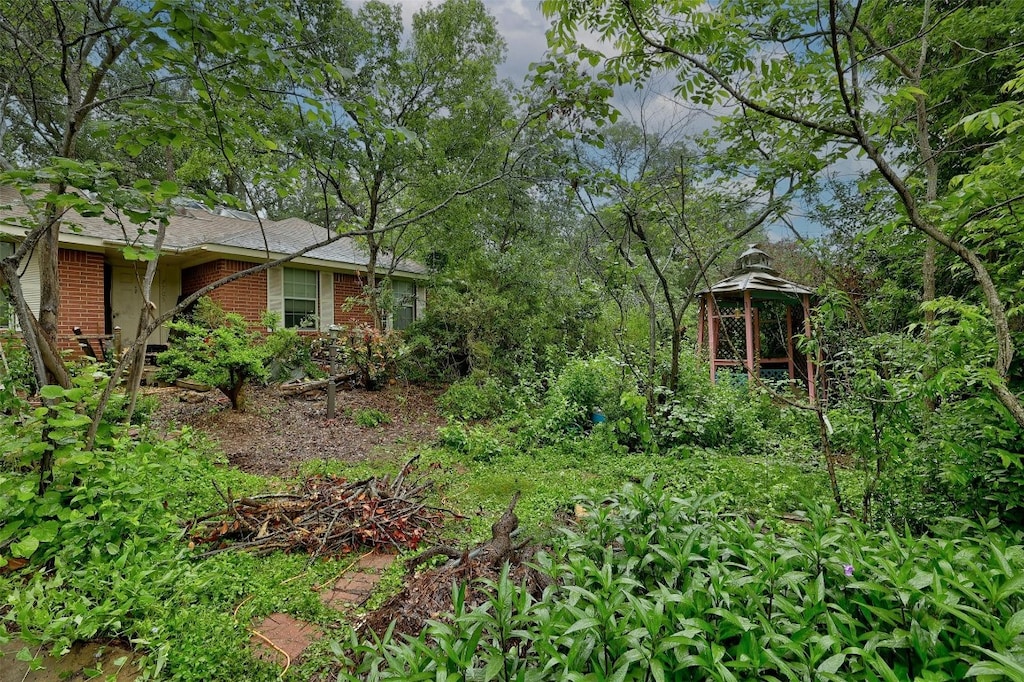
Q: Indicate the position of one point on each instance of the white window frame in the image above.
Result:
(285, 298)
(411, 296)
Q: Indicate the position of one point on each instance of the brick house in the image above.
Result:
(100, 288)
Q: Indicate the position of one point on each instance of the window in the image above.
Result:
(405, 304)
(6, 312)
(300, 298)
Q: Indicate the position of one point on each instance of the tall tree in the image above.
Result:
(654, 206)
(418, 122)
(73, 69)
(800, 78)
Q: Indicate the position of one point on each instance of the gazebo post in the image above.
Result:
(712, 334)
(748, 323)
(810, 358)
(701, 311)
(789, 343)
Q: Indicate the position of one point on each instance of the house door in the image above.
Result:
(125, 300)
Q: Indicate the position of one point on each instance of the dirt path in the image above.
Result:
(275, 434)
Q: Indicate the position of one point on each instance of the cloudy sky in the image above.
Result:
(523, 26)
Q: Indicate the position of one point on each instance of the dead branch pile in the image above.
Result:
(326, 516)
(428, 595)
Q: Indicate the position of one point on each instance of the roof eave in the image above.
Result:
(319, 263)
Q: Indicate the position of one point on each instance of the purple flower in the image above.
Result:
(848, 569)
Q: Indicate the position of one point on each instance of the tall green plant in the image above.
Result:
(656, 588)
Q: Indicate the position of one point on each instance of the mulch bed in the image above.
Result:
(275, 434)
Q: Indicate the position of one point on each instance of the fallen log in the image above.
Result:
(301, 386)
(427, 595)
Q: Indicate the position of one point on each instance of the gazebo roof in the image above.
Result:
(754, 272)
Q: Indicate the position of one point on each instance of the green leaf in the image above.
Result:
(51, 392)
(1015, 625)
(45, 532)
(169, 188)
(82, 458)
(832, 664)
(10, 528)
(25, 548)
(582, 624)
(1009, 667)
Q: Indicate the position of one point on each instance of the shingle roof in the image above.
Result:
(754, 272)
(190, 228)
(756, 281)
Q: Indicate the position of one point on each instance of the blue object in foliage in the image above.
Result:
(597, 416)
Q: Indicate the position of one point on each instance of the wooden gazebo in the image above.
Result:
(747, 324)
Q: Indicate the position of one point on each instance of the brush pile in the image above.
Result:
(326, 516)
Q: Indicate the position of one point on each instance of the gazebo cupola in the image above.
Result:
(747, 324)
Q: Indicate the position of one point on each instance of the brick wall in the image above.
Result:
(246, 296)
(80, 274)
(348, 287)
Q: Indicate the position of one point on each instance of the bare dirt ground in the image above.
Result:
(274, 434)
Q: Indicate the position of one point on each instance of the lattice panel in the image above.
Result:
(732, 337)
(775, 374)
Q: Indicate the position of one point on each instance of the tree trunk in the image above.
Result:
(931, 166)
(49, 284)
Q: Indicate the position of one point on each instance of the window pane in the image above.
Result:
(405, 304)
(300, 284)
(300, 298)
(299, 313)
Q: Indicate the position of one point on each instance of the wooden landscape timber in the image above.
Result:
(301, 386)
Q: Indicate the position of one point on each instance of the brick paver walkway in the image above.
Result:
(293, 636)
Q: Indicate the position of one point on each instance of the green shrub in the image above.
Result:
(660, 588)
(729, 416)
(370, 418)
(18, 375)
(725, 416)
(217, 349)
(476, 397)
(475, 443)
(582, 385)
(632, 426)
(970, 460)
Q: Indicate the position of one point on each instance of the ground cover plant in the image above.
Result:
(104, 555)
(655, 587)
